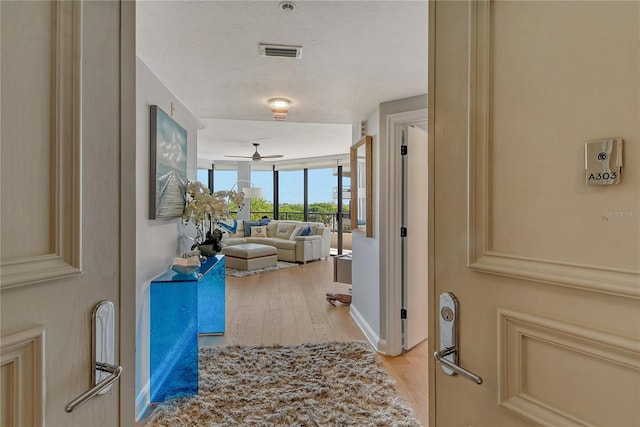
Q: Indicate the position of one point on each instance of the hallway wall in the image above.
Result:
(157, 239)
(365, 306)
(369, 287)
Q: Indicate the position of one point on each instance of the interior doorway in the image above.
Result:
(408, 261)
(414, 247)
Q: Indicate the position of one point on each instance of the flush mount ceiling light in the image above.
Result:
(279, 107)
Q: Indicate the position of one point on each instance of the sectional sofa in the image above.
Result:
(285, 236)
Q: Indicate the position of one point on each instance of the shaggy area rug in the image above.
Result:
(327, 384)
(242, 273)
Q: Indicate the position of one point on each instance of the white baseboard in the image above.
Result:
(142, 401)
(368, 332)
(382, 347)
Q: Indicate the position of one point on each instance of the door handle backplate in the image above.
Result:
(447, 356)
(105, 372)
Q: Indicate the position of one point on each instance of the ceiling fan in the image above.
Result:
(257, 156)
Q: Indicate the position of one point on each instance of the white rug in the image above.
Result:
(243, 273)
(325, 384)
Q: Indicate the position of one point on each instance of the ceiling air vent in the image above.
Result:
(280, 51)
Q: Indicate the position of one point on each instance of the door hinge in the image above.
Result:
(403, 313)
(403, 150)
(403, 231)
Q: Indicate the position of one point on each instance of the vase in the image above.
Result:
(200, 233)
(188, 237)
(207, 250)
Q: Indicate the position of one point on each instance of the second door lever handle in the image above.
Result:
(448, 354)
(439, 355)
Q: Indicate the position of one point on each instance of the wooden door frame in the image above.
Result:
(127, 232)
(431, 134)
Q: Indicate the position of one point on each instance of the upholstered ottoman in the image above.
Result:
(250, 256)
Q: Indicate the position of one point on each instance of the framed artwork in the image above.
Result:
(168, 166)
(362, 186)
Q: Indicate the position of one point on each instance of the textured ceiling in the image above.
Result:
(356, 54)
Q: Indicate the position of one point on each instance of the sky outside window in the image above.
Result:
(263, 179)
(291, 187)
(203, 176)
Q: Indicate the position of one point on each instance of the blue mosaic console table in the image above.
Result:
(181, 307)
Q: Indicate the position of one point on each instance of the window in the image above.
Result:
(223, 180)
(322, 203)
(264, 206)
(291, 195)
(202, 175)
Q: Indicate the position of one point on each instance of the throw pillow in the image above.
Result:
(284, 230)
(247, 227)
(306, 231)
(259, 231)
(295, 233)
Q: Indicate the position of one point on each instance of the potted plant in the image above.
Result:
(202, 206)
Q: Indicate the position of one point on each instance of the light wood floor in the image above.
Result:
(289, 307)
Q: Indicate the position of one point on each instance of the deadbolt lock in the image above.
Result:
(447, 314)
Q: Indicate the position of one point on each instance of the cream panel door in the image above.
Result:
(546, 269)
(61, 169)
(416, 301)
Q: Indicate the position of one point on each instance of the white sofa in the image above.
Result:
(291, 247)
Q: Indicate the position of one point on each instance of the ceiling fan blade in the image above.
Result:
(256, 157)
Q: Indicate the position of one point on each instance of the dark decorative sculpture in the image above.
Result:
(343, 298)
(211, 245)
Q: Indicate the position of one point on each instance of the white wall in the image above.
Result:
(157, 240)
(368, 285)
(365, 305)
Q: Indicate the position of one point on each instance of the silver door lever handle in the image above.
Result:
(114, 372)
(105, 371)
(439, 355)
(448, 355)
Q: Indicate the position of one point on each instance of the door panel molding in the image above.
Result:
(534, 350)
(610, 281)
(22, 369)
(481, 255)
(63, 257)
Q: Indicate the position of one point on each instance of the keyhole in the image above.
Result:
(447, 314)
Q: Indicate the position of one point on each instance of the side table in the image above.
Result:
(182, 306)
(342, 268)
(341, 273)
